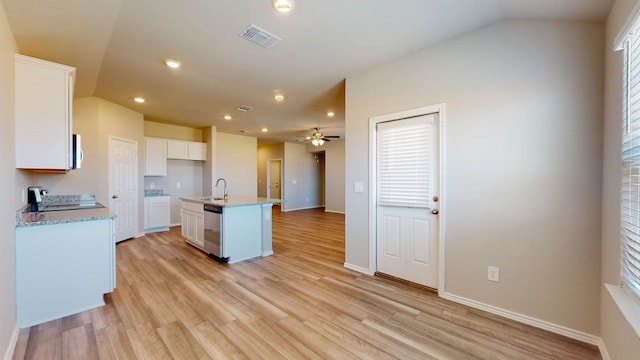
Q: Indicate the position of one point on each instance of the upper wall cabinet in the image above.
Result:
(186, 150)
(43, 113)
(155, 157)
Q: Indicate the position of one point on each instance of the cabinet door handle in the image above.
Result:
(114, 196)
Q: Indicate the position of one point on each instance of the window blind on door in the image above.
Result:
(404, 153)
(630, 189)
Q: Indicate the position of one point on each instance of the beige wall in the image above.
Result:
(620, 339)
(266, 153)
(209, 169)
(168, 131)
(96, 120)
(8, 189)
(237, 157)
(522, 162)
(302, 185)
(334, 176)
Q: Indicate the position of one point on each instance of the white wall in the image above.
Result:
(620, 339)
(186, 172)
(302, 178)
(334, 176)
(522, 162)
(237, 157)
(8, 329)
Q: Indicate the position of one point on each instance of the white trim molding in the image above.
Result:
(603, 350)
(334, 211)
(525, 319)
(359, 269)
(11, 348)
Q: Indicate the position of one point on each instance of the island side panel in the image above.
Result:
(267, 245)
(242, 232)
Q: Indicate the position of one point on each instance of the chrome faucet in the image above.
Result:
(226, 193)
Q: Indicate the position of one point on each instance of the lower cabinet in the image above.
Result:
(157, 213)
(63, 269)
(192, 215)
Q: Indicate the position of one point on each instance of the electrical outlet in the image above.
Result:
(493, 273)
(178, 185)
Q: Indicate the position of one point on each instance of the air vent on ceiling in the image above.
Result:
(244, 108)
(259, 36)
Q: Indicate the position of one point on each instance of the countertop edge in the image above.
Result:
(61, 217)
(233, 201)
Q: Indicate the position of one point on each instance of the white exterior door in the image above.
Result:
(407, 176)
(123, 160)
(274, 179)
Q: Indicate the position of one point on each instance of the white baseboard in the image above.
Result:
(357, 268)
(603, 350)
(303, 208)
(267, 253)
(8, 355)
(335, 212)
(555, 328)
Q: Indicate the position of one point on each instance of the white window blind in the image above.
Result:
(630, 190)
(404, 153)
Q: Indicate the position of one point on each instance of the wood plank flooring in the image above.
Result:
(173, 302)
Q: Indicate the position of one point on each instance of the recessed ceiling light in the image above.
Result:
(283, 6)
(264, 130)
(330, 114)
(139, 100)
(227, 117)
(174, 64)
(279, 98)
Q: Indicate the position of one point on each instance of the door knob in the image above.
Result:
(435, 211)
(114, 196)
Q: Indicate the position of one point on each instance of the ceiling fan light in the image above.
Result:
(315, 142)
(320, 141)
(283, 6)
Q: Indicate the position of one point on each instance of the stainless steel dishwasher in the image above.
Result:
(213, 242)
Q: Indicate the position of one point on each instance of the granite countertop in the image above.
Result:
(61, 217)
(232, 200)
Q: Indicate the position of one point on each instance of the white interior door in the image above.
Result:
(407, 174)
(274, 180)
(123, 201)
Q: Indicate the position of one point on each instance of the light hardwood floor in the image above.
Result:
(172, 301)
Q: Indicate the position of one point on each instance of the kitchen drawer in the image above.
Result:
(196, 207)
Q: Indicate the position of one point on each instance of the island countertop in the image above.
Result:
(62, 217)
(231, 201)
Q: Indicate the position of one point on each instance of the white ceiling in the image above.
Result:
(118, 47)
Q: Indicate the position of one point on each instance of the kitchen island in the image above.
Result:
(65, 263)
(242, 229)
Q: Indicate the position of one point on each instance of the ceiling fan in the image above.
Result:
(317, 138)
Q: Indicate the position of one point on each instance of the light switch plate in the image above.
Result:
(358, 187)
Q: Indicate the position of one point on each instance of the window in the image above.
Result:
(630, 190)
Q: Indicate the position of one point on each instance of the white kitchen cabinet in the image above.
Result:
(197, 151)
(155, 157)
(157, 213)
(193, 223)
(186, 150)
(43, 114)
(63, 269)
(177, 149)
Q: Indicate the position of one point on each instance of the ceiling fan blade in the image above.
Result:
(332, 136)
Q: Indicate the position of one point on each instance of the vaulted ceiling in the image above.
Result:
(118, 48)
